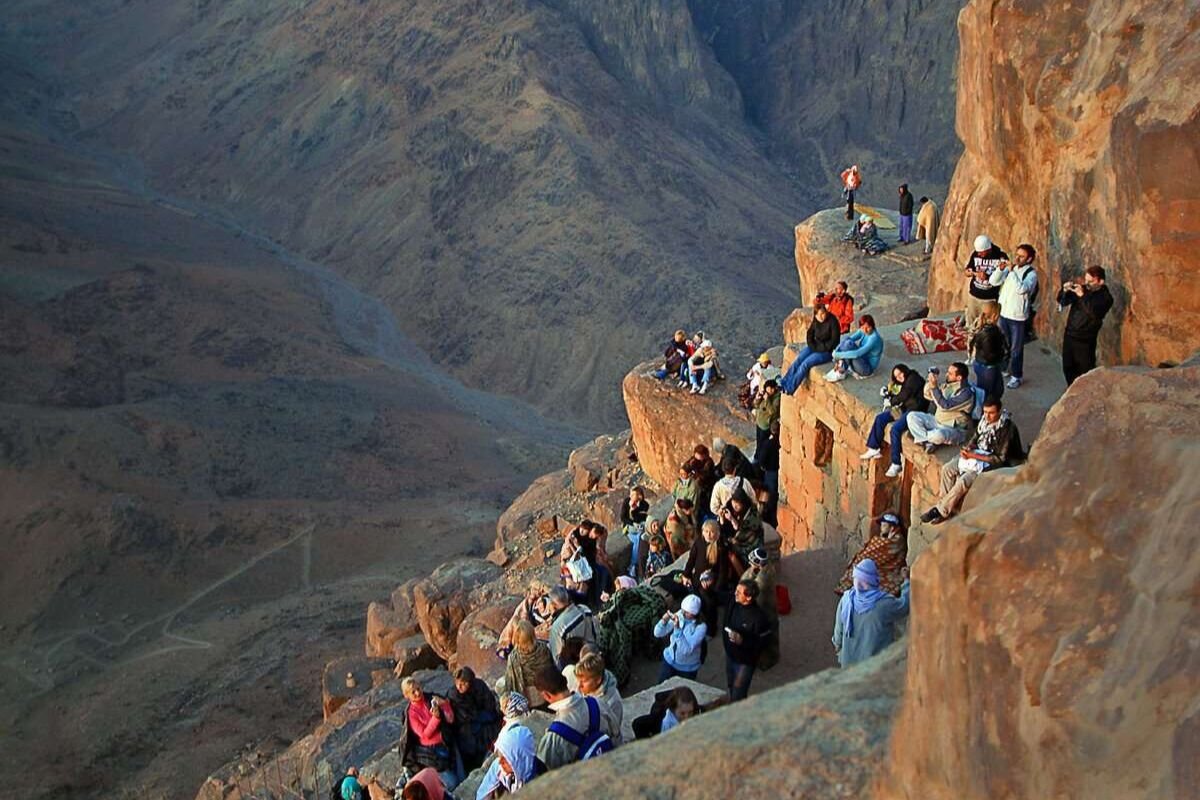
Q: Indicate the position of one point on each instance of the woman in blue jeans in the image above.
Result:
(989, 351)
(905, 393)
(824, 333)
(859, 353)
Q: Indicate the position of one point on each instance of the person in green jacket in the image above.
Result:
(766, 411)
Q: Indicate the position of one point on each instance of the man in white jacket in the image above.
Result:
(1018, 283)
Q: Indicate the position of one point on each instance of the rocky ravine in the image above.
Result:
(1081, 124)
(530, 186)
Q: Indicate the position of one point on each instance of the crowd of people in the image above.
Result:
(703, 570)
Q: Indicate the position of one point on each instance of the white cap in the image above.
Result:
(982, 243)
(705, 344)
(691, 604)
(864, 218)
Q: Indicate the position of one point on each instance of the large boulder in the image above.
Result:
(1081, 123)
(385, 627)
(524, 511)
(413, 654)
(668, 422)
(890, 287)
(478, 636)
(445, 598)
(1055, 639)
(349, 677)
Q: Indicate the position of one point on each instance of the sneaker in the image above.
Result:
(894, 471)
(1013, 383)
(704, 388)
(833, 376)
(694, 390)
(929, 446)
(682, 384)
(871, 454)
(932, 516)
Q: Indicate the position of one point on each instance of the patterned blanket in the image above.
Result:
(935, 336)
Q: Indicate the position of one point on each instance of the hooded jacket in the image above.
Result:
(1018, 285)
(906, 203)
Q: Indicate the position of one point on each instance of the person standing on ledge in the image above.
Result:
(1018, 284)
(982, 262)
(851, 181)
(1088, 302)
(867, 616)
(928, 220)
(906, 215)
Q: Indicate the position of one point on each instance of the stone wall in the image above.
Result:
(1081, 123)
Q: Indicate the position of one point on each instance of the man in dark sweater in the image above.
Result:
(747, 631)
(1088, 302)
(906, 214)
(824, 333)
(996, 443)
(983, 261)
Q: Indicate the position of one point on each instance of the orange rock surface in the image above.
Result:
(1081, 123)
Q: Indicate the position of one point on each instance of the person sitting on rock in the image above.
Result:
(747, 633)
(670, 709)
(578, 578)
(571, 621)
(704, 367)
(680, 528)
(865, 236)
(989, 352)
(995, 443)
(634, 509)
(840, 304)
(706, 474)
(675, 360)
(727, 486)
(686, 486)
(983, 261)
(350, 788)
(824, 334)
(686, 633)
(867, 616)
(953, 403)
(902, 395)
(659, 557)
(859, 353)
(709, 552)
(596, 681)
(755, 374)
(527, 658)
(477, 718)
(535, 608)
(429, 720)
(742, 528)
(887, 547)
(572, 712)
(516, 764)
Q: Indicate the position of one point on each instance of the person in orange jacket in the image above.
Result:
(840, 304)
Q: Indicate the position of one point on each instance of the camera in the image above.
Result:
(935, 371)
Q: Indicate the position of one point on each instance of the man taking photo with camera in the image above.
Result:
(1088, 303)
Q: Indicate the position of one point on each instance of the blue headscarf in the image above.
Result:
(862, 596)
(516, 744)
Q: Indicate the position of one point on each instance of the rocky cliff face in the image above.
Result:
(1054, 643)
(833, 81)
(1081, 124)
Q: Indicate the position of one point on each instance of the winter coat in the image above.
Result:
(989, 345)
(910, 395)
(906, 203)
(823, 337)
(1086, 313)
(1017, 285)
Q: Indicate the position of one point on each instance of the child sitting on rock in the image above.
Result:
(659, 557)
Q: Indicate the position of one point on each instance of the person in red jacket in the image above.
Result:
(840, 304)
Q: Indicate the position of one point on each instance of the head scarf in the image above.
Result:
(626, 582)
(432, 782)
(515, 706)
(517, 746)
(863, 597)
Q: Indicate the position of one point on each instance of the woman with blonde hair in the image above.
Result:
(989, 351)
(528, 657)
(533, 608)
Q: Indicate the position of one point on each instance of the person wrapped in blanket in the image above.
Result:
(865, 236)
(626, 625)
(888, 548)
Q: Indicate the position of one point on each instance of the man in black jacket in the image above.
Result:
(906, 214)
(824, 333)
(675, 363)
(983, 261)
(905, 393)
(747, 631)
(1088, 303)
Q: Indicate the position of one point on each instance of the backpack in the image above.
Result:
(591, 744)
(1037, 288)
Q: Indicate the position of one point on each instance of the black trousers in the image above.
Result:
(1078, 357)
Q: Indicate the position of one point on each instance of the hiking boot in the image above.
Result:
(871, 454)
(932, 516)
(1013, 383)
(894, 471)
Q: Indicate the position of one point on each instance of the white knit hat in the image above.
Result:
(982, 243)
(692, 605)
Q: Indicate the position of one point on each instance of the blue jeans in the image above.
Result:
(634, 534)
(799, 369)
(697, 382)
(737, 677)
(1014, 331)
(859, 366)
(875, 438)
(667, 671)
(906, 227)
(990, 380)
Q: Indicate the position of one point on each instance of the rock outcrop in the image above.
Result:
(444, 599)
(1055, 637)
(890, 286)
(668, 422)
(1081, 123)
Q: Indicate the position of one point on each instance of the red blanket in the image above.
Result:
(935, 336)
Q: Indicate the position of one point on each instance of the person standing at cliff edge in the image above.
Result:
(851, 181)
(1088, 302)
(928, 220)
(906, 215)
